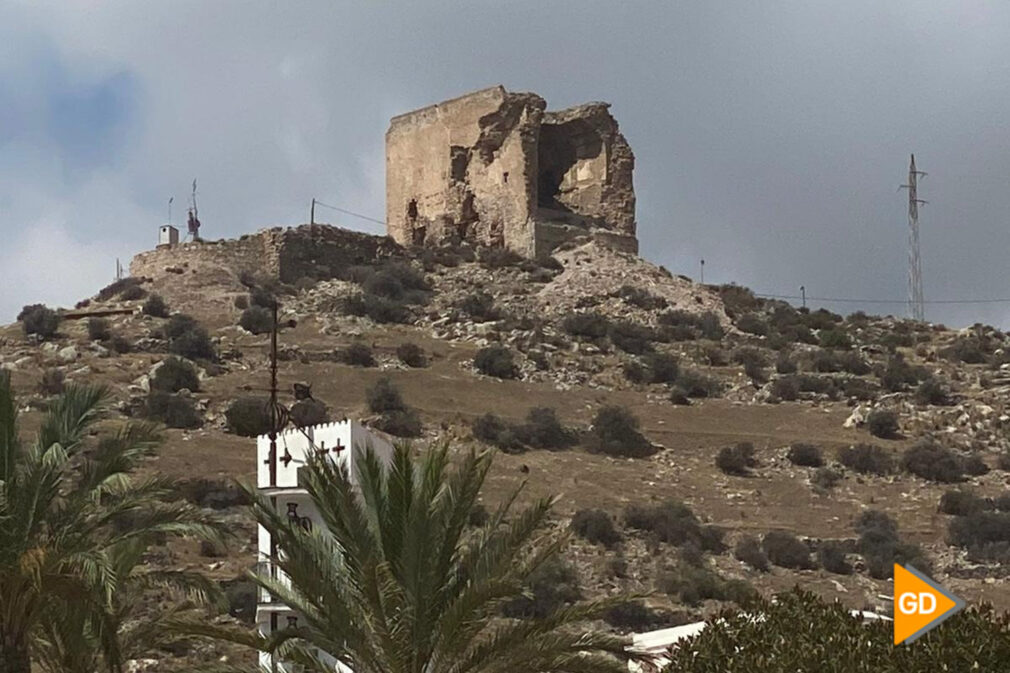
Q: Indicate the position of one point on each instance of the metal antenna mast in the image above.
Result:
(915, 300)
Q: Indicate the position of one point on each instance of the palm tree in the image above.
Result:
(397, 581)
(74, 523)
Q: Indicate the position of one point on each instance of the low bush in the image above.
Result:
(737, 459)
(119, 287)
(784, 364)
(685, 326)
(832, 557)
(932, 391)
(696, 384)
(175, 411)
(867, 459)
(496, 361)
(806, 455)
(479, 305)
(155, 307)
(590, 325)
(826, 478)
(378, 309)
(898, 375)
(958, 502)
(674, 523)
(641, 298)
(175, 374)
(835, 338)
(39, 319)
(933, 462)
(551, 586)
(967, 349)
(635, 617)
(786, 550)
(631, 337)
(404, 423)
(615, 433)
(596, 526)
(187, 338)
(786, 388)
(694, 585)
(132, 293)
(248, 416)
(384, 396)
(120, 344)
(883, 423)
(358, 354)
(497, 432)
(257, 320)
(543, 430)
(52, 382)
(98, 329)
(411, 355)
(309, 412)
(748, 550)
(979, 529)
(660, 368)
(882, 548)
(752, 324)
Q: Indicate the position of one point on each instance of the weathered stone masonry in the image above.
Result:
(494, 168)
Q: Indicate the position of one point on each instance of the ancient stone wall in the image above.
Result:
(318, 251)
(493, 168)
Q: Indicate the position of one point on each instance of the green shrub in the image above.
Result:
(737, 459)
(155, 306)
(660, 368)
(615, 433)
(52, 382)
(358, 354)
(132, 293)
(262, 297)
(967, 349)
(179, 324)
(634, 617)
(979, 529)
(174, 411)
(552, 586)
(403, 423)
(883, 423)
(752, 323)
(832, 557)
(679, 396)
(596, 526)
(119, 288)
(411, 355)
(806, 455)
(932, 391)
(378, 309)
(497, 432)
(867, 459)
(242, 302)
(786, 550)
(631, 337)
(496, 361)
(933, 462)
(479, 305)
(784, 364)
(543, 430)
(98, 329)
(384, 396)
(590, 325)
(641, 298)
(39, 319)
(835, 338)
(685, 326)
(187, 338)
(853, 363)
(120, 344)
(697, 384)
(674, 523)
(257, 320)
(826, 478)
(882, 548)
(248, 416)
(694, 585)
(306, 413)
(898, 375)
(748, 550)
(786, 388)
(961, 503)
(174, 375)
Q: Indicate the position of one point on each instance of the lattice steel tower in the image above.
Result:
(916, 308)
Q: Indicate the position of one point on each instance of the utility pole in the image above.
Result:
(803, 294)
(312, 213)
(916, 303)
(702, 272)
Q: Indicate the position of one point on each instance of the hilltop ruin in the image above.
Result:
(494, 168)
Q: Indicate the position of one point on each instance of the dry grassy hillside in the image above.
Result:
(702, 369)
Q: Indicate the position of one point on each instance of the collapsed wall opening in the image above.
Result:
(569, 159)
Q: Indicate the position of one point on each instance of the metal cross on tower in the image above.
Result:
(915, 301)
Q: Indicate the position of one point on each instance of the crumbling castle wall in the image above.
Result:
(317, 251)
(493, 168)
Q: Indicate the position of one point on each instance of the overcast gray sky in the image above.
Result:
(770, 137)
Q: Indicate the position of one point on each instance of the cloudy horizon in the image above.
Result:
(770, 140)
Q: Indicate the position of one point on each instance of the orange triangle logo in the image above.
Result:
(920, 604)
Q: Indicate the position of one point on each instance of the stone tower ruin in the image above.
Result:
(494, 168)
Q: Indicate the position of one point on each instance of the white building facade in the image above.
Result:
(277, 479)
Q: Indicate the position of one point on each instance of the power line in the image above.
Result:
(881, 301)
(348, 212)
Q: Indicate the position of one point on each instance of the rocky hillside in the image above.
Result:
(706, 443)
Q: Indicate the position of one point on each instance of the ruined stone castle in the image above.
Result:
(494, 168)
(491, 168)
